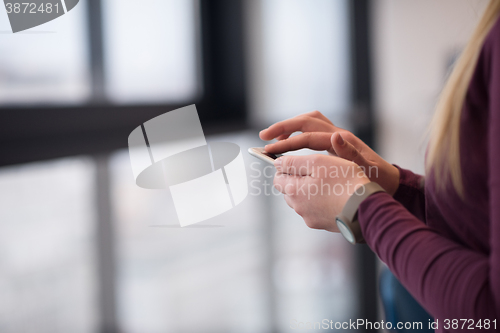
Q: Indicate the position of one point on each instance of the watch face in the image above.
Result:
(345, 231)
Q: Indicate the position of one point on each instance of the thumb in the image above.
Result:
(346, 150)
(294, 165)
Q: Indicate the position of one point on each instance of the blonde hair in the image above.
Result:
(443, 156)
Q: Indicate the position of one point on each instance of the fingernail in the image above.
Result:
(340, 139)
(277, 163)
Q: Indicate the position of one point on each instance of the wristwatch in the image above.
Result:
(347, 220)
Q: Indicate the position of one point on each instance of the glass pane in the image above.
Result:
(47, 275)
(45, 64)
(300, 58)
(252, 269)
(193, 279)
(314, 272)
(150, 50)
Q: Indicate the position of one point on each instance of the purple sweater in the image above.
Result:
(444, 250)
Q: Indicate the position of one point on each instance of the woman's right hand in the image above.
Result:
(319, 133)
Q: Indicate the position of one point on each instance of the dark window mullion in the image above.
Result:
(96, 50)
(362, 119)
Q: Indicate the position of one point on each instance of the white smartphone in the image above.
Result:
(262, 155)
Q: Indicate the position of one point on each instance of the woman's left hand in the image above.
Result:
(318, 186)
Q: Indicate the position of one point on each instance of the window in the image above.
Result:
(150, 55)
(150, 50)
(300, 62)
(251, 269)
(47, 270)
(258, 265)
(207, 277)
(47, 64)
(301, 59)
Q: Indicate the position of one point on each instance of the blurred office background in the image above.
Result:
(83, 249)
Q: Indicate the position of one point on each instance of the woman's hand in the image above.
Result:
(318, 186)
(319, 133)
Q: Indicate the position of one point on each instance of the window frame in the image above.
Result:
(97, 128)
(33, 133)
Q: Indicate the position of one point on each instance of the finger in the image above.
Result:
(346, 150)
(279, 182)
(298, 124)
(283, 137)
(319, 115)
(311, 140)
(289, 201)
(294, 165)
(286, 184)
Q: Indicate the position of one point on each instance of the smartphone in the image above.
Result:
(261, 154)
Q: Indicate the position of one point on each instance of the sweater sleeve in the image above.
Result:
(410, 192)
(450, 280)
(447, 279)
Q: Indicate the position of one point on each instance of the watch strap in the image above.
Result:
(350, 209)
(347, 220)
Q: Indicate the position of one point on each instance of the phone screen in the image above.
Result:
(270, 155)
(261, 154)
